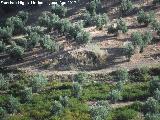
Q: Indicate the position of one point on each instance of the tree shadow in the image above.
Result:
(103, 38)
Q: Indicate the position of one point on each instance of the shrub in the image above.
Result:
(126, 6)
(64, 101)
(81, 78)
(59, 10)
(33, 39)
(145, 18)
(101, 20)
(83, 37)
(88, 19)
(154, 84)
(26, 95)
(36, 29)
(151, 106)
(115, 95)
(77, 90)
(65, 26)
(149, 116)
(23, 15)
(44, 19)
(91, 8)
(121, 25)
(100, 111)
(122, 75)
(49, 44)
(157, 94)
(119, 86)
(155, 2)
(38, 82)
(2, 47)
(6, 34)
(128, 51)
(3, 83)
(3, 114)
(12, 104)
(112, 29)
(137, 39)
(16, 52)
(126, 114)
(57, 108)
(16, 24)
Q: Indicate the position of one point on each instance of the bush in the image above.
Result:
(100, 111)
(121, 75)
(57, 108)
(6, 34)
(2, 47)
(145, 18)
(59, 10)
(128, 51)
(81, 78)
(121, 25)
(155, 2)
(44, 19)
(16, 52)
(4, 84)
(88, 19)
(115, 95)
(151, 106)
(64, 101)
(119, 86)
(137, 39)
(83, 37)
(49, 44)
(12, 104)
(38, 82)
(16, 24)
(149, 116)
(101, 20)
(154, 84)
(112, 29)
(77, 90)
(23, 15)
(91, 8)
(26, 95)
(36, 29)
(126, 6)
(33, 39)
(3, 114)
(64, 26)
(157, 94)
(126, 114)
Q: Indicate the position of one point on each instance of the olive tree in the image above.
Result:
(154, 84)
(121, 25)
(157, 94)
(16, 52)
(33, 39)
(23, 15)
(128, 51)
(57, 108)
(77, 90)
(122, 75)
(81, 78)
(59, 10)
(2, 47)
(6, 34)
(64, 100)
(126, 6)
(83, 37)
(115, 95)
(26, 95)
(4, 83)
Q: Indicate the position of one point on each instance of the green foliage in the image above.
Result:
(83, 37)
(64, 26)
(151, 106)
(64, 101)
(119, 86)
(49, 44)
(126, 6)
(121, 25)
(2, 47)
(59, 10)
(33, 39)
(81, 78)
(157, 94)
(128, 51)
(156, 2)
(115, 95)
(91, 8)
(122, 75)
(3, 114)
(145, 18)
(88, 19)
(112, 29)
(26, 95)
(154, 84)
(137, 39)
(57, 108)
(12, 104)
(16, 24)
(77, 90)
(76, 29)
(4, 83)
(16, 52)
(6, 34)
(38, 82)
(125, 114)
(30, 29)
(23, 15)
(100, 111)
(149, 116)
(101, 20)
(44, 19)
